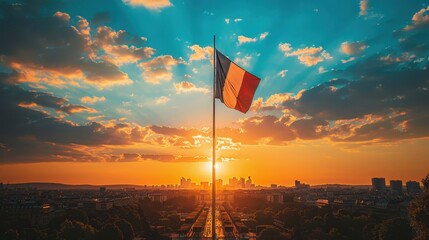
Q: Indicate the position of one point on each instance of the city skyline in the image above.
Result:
(120, 91)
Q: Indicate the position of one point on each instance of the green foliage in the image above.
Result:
(76, 215)
(419, 212)
(370, 232)
(126, 229)
(270, 233)
(395, 228)
(75, 230)
(110, 232)
(11, 234)
(264, 217)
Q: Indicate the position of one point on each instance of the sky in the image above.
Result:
(119, 91)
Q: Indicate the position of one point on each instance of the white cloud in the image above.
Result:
(243, 61)
(347, 60)
(353, 48)
(200, 53)
(363, 6)
(238, 20)
(227, 20)
(158, 69)
(322, 70)
(282, 73)
(263, 35)
(187, 87)
(285, 47)
(92, 100)
(243, 39)
(150, 4)
(420, 19)
(308, 56)
(162, 100)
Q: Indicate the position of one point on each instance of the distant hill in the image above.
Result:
(60, 186)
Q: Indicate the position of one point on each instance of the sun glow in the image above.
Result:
(208, 166)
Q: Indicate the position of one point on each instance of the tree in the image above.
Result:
(270, 233)
(76, 215)
(419, 212)
(174, 221)
(370, 232)
(11, 234)
(395, 228)
(110, 232)
(74, 230)
(126, 229)
(33, 234)
(264, 217)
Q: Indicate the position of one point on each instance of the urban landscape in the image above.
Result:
(182, 211)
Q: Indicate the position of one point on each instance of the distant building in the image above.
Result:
(157, 197)
(219, 184)
(204, 185)
(299, 185)
(242, 183)
(378, 184)
(102, 191)
(396, 187)
(275, 198)
(273, 185)
(249, 183)
(182, 182)
(233, 182)
(413, 188)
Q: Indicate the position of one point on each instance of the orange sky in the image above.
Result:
(314, 162)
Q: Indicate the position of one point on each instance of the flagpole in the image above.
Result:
(214, 145)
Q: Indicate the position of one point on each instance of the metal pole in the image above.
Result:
(214, 146)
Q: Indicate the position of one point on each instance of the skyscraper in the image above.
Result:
(249, 183)
(396, 187)
(378, 184)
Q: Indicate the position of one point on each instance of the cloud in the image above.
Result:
(48, 50)
(243, 61)
(282, 73)
(159, 69)
(266, 130)
(162, 100)
(119, 47)
(348, 60)
(200, 53)
(150, 4)
(363, 6)
(322, 70)
(92, 100)
(263, 35)
(308, 56)
(285, 47)
(243, 39)
(188, 87)
(227, 20)
(238, 20)
(136, 157)
(273, 102)
(353, 48)
(420, 20)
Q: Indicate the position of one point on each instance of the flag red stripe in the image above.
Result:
(247, 91)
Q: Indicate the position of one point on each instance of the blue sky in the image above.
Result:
(171, 30)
